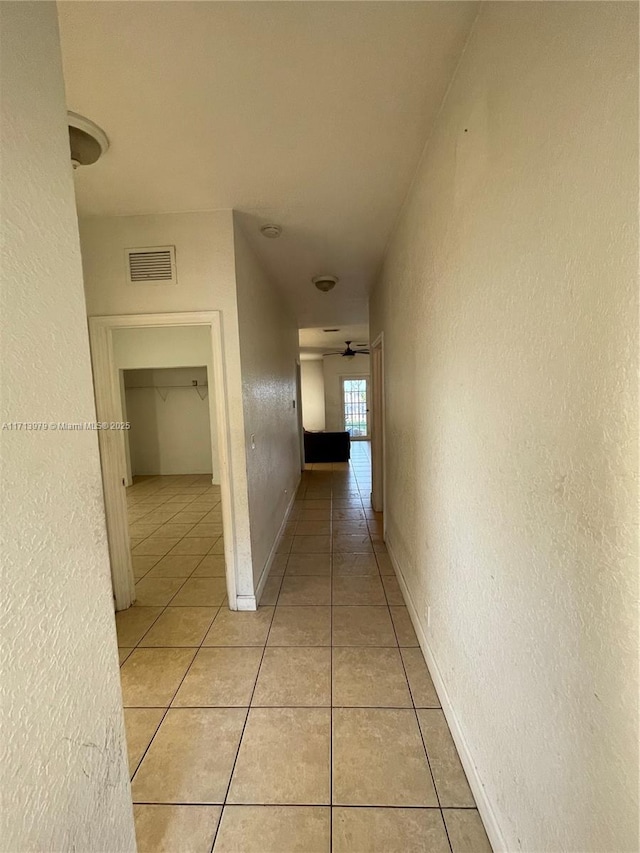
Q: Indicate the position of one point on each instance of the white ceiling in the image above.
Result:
(312, 115)
(315, 342)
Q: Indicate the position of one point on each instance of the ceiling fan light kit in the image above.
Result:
(325, 283)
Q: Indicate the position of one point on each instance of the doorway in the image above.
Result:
(115, 453)
(355, 406)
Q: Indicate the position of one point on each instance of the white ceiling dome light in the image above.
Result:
(87, 141)
(271, 231)
(325, 283)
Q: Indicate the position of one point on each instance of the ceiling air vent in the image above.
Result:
(153, 265)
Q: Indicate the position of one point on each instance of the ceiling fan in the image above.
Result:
(348, 352)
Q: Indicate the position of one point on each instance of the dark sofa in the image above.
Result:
(327, 446)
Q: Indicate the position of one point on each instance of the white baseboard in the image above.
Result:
(264, 577)
(485, 808)
(246, 602)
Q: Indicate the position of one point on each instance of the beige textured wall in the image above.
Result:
(508, 301)
(312, 390)
(268, 348)
(206, 282)
(64, 774)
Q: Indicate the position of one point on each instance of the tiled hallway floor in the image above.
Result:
(310, 725)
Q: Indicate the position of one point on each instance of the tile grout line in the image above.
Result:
(332, 605)
(168, 707)
(309, 806)
(293, 707)
(165, 608)
(138, 647)
(414, 707)
(162, 524)
(168, 521)
(417, 719)
(241, 738)
(161, 557)
(331, 673)
(346, 495)
(197, 650)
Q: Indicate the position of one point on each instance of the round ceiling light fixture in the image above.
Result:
(271, 231)
(87, 141)
(325, 283)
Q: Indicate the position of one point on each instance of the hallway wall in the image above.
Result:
(508, 300)
(312, 382)
(269, 349)
(205, 282)
(64, 773)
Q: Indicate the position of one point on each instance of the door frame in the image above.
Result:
(355, 376)
(106, 380)
(299, 411)
(378, 442)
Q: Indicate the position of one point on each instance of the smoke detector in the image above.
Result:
(325, 283)
(87, 141)
(271, 231)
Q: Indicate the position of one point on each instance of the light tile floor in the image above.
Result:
(310, 725)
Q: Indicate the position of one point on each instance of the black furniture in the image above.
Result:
(327, 446)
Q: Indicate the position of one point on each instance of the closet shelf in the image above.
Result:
(163, 390)
(134, 387)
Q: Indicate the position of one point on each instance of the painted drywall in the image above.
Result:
(162, 346)
(335, 369)
(173, 434)
(64, 769)
(169, 416)
(310, 115)
(206, 282)
(509, 304)
(269, 349)
(312, 388)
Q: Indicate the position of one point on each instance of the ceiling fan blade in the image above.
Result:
(349, 352)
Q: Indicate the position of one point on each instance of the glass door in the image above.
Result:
(355, 406)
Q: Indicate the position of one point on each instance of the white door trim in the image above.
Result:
(378, 444)
(299, 412)
(112, 442)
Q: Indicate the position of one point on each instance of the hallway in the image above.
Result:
(243, 728)
(453, 186)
